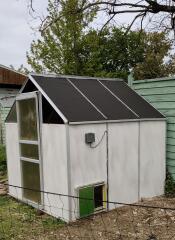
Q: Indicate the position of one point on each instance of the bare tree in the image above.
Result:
(141, 10)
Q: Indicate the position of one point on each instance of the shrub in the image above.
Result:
(169, 185)
(3, 163)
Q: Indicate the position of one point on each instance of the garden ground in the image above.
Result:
(19, 221)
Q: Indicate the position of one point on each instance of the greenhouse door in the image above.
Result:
(29, 145)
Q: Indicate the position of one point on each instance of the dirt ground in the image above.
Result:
(127, 223)
(18, 221)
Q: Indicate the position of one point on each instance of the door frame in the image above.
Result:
(38, 103)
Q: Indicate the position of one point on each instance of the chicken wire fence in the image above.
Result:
(150, 220)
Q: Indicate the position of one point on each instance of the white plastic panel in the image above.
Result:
(123, 162)
(55, 177)
(13, 160)
(152, 158)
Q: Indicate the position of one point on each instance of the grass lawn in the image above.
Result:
(19, 221)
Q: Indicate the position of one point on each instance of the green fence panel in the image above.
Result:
(160, 93)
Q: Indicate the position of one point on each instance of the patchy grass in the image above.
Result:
(20, 221)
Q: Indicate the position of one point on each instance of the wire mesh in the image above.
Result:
(147, 220)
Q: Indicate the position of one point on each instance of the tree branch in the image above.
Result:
(149, 5)
(136, 17)
(31, 5)
(108, 21)
(116, 7)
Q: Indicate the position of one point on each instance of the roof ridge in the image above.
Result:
(73, 76)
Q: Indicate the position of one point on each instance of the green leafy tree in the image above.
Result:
(115, 54)
(70, 46)
(158, 60)
(60, 48)
(112, 53)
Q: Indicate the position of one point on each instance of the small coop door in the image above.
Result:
(29, 144)
(91, 199)
(85, 204)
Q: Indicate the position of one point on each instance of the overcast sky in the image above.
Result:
(16, 34)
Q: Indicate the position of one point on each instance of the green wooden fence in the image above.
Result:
(160, 93)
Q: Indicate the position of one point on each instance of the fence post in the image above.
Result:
(1, 126)
(130, 79)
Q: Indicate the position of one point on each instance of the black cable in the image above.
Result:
(90, 199)
(99, 141)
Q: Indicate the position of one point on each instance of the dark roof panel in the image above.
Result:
(68, 100)
(132, 99)
(82, 99)
(110, 106)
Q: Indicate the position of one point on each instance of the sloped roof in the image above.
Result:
(10, 76)
(81, 99)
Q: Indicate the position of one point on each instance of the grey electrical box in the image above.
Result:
(89, 138)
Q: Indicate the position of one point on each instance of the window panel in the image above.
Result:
(29, 151)
(28, 119)
(31, 179)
